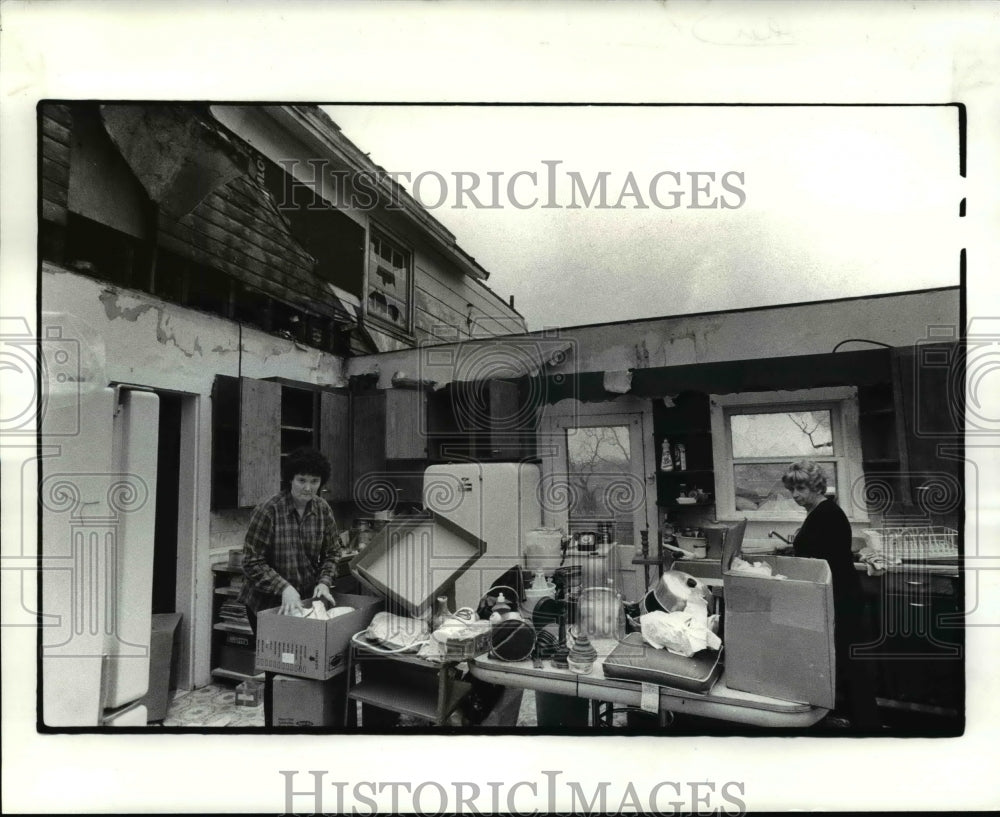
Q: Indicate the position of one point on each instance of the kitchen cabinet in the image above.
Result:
(334, 440)
(246, 441)
(930, 392)
(482, 421)
(256, 423)
(388, 443)
(883, 441)
(232, 653)
(686, 423)
(396, 433)
(918, 646)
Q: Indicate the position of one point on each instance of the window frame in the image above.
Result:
(842, 402)
(405, 331)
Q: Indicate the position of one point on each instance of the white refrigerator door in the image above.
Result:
(73, 499)
(133, 499)
(498, 502)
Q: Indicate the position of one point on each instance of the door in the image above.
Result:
(597, 468)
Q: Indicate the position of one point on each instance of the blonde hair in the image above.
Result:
(805, 472)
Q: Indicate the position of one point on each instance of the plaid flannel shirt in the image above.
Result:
(280, 549)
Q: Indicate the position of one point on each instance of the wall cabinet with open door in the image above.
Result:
(246, 441)
(388, 445)
(256, 423)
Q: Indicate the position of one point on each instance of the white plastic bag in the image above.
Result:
(754, 569)
(397, 632)
(681, 632)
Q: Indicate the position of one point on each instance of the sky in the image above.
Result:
(818, 202)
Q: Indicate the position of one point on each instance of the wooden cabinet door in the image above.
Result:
(506, 431)
(260, 441)
(335, 443)
(932, 408)
(405, 424)
(368, 422)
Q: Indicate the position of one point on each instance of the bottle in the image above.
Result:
(681, 457)
(500, 610)
(666, 459)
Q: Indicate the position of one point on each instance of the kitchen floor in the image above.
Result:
(215, 706)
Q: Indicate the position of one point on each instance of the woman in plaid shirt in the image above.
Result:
(289, 549)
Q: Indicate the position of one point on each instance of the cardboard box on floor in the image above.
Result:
(308, 702)
(311, 648)
(779, 632)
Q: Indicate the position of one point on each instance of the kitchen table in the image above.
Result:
(720, 702)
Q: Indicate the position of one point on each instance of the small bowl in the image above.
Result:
(580, 667)
(690, 543)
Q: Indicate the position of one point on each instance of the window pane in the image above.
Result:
(782, 434)
(599, 469)
(759, 487)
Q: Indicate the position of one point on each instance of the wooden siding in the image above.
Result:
(56, 126)
(441, 298)
(239, 230)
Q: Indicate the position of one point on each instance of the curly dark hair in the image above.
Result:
(309, 461)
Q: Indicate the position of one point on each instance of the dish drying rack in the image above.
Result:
(915, 544)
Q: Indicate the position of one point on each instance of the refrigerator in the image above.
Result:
(97, 500)
(496, 502)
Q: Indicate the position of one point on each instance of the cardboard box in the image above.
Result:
(310, 648)
(779, 632)
(307, 702)
(460, 649)
(414, 559)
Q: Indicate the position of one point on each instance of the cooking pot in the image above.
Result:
(673, 590)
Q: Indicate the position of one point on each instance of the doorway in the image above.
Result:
(597, 466)
(174, 535)
(167, 495)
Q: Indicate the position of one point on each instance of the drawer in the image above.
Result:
(920, 584)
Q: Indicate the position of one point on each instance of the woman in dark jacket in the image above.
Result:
(826, 534)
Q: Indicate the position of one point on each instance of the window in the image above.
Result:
(756, 436)
(389, 283)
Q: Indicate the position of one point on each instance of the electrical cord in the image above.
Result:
(861, 340)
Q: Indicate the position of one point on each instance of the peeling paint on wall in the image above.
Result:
(111, 298)
(165, 335)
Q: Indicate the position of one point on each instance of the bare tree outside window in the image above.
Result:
(596, 456)
(763, 446)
